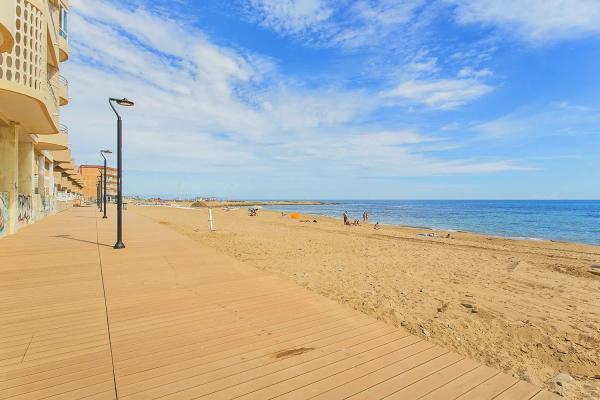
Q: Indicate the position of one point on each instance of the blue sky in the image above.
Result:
(369, 99)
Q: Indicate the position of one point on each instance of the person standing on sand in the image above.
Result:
(365, 217)
(346, 222)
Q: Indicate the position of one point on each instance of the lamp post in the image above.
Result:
(100, 192)
(102, 152)
(126, 103)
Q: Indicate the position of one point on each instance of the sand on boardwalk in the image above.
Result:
(529, 308)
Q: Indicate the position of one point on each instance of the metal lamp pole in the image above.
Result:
(122, 102)
(100, 192)
(102, 152)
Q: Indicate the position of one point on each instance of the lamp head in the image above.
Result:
(106, 151)
(123, 102)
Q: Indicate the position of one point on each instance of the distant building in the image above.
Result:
(91, 175)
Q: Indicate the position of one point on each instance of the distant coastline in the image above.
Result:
(247, 203)
(234, 203)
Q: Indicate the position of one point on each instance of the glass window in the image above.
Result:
(63, 22)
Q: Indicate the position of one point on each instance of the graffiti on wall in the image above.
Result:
(24, 209)
(3, 213)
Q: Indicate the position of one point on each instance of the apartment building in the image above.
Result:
(92, 175)
(38, 176)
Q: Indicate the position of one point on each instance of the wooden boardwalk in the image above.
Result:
(185, 322)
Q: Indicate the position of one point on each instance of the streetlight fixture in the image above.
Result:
(102, 152)
(126, 103)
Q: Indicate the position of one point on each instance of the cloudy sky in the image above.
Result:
(340, 99)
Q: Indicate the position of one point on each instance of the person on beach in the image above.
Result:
(365, 217)
(346, 220)
(376, 226)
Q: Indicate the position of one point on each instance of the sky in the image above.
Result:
(339, 99)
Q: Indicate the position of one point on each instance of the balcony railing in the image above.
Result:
(63, 81)
(63, 129)
(51, 90)
(63, 34)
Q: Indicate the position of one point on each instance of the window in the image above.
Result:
(63, 22)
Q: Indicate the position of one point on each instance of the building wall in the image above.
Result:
(30, 100)
(9, 176)
(91, 175)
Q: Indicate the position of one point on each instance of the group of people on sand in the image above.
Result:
(356, 222)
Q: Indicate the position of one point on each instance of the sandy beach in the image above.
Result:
(530, 308)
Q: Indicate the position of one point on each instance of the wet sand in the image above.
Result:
(530, 308)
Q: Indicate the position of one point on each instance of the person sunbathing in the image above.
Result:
(435, 235)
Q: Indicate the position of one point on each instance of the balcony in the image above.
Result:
(63, 46)
(62, 156)
(63, 91)
(53, 34)
(53, 142)
(7, 25)
(25, 94)
(68, 166)
(63, 129)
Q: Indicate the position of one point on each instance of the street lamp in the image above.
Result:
(102, 152)
(126, 103)
(98, 193)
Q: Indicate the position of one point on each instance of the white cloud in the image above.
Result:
(399, 30)
(535, 21)
(555, 119)
(292, 16)
(444, 94)
(391, 153)
(390, 138)
(336, 23)
(468, 72)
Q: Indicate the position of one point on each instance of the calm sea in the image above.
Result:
(571, 221)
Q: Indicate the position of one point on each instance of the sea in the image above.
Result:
(559, 220)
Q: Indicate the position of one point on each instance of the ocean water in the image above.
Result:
(564, 220)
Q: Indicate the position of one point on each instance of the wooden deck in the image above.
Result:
(185, 322)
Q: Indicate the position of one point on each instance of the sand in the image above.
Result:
(530, 308)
